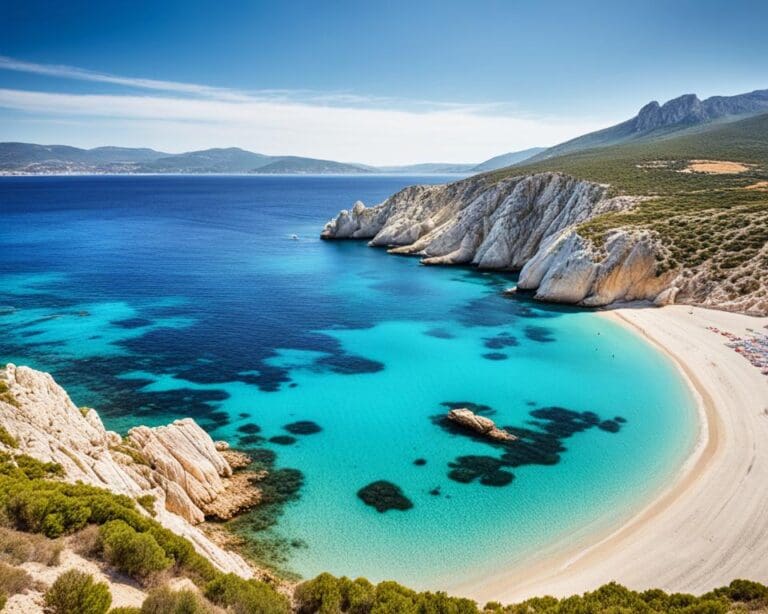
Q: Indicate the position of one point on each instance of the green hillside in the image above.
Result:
(699, 217)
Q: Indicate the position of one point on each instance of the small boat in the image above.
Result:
(294, 237)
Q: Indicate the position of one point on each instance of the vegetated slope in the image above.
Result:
(507, 159)
(715, 226)
(427, 168)
(655, 120)
(27, 153)
(227, 160)
(648, 220)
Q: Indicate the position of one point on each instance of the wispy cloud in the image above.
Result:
(81, 74)
(174, 116)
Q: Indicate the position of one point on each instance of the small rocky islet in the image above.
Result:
(522, 446)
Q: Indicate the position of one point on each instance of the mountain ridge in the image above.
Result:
(656, 120)
(35, 159)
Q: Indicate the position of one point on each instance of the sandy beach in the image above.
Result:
(710, 525)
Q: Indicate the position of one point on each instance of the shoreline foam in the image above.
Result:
(704, 529)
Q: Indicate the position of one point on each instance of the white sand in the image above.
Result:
(711, 525)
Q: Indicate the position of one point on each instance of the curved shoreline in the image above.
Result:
(702, 530)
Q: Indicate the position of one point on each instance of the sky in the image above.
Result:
(385, 82)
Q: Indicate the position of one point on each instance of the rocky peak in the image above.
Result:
(686, 109)
(689, 110)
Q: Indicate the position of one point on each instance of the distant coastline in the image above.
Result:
(33, 159)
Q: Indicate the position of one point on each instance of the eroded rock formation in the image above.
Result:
(178, 464)
(526, 224)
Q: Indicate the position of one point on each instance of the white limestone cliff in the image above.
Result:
(178, 464)
(525, 224)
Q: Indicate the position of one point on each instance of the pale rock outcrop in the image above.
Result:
(178, 464)
(525, 224)
(570, 269)
(481, 425)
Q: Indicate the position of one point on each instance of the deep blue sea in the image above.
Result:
(153, 298)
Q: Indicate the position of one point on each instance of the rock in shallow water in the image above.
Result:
(479, 424)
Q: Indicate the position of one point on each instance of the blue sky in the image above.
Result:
(377, 82)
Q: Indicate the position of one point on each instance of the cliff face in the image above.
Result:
(178, 464)
(522, 223)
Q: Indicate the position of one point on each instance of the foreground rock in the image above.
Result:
(531, 224)
(479, 424)
(178, 463)
(197, 479)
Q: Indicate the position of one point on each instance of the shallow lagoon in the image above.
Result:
(153, 298)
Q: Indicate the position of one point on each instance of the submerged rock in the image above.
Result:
(487, 469)
(384, 496)
(283, 440)
(303, 427)
(479, 424)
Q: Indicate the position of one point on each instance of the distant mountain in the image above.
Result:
(655, 120)
(427, 168)
(229, 160)
(120, 155)
(29, 158)
(507, 159)
(22, 154)
(309, 166)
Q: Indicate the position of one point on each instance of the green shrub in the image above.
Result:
(136, 554)
(326, 594)
(6, 395)
(165, 601)
(75, 592)
(8, 439)
(3, 600)
(357, 595)
(245, 596)
(746, 590)
(321, 594)
(148, 503)
(198, 568)
(13, 580)
(125, 610)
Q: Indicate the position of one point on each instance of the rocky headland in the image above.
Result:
(526, 224)
(178, 464)
(642, 225)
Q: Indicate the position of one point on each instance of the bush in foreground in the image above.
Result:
(136, 554)
(166, 601)
(327, 594)
(75, 592)
(245, 596)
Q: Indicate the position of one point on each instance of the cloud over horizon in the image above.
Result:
(175, 116)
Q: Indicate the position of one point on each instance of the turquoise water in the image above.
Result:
(156, 298)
